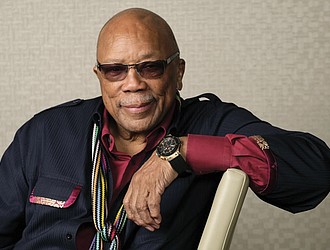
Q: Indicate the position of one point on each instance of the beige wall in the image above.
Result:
(271, 56)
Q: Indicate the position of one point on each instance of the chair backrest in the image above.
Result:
(226, 207)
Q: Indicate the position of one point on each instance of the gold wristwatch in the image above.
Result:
(168, 149)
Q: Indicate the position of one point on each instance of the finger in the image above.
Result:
(143, 213)
(154, 207)
(137, 209)
(129, 202)
(144, 218)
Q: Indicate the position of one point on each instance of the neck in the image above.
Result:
(130, 143)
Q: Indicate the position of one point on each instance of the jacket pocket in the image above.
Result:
(54, 192)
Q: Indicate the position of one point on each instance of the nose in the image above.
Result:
(133, 66)
(133, 81)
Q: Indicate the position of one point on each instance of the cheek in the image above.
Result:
(110, 90)
(170, 89)
(166, 96)
(167, 87)
(109, 94)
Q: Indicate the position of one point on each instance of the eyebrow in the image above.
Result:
(143, 58)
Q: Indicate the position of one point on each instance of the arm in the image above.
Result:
(13, 195)
(295, 166)
(17, 171)
(204, 154)
(207, 154)
(289, 184)
(142, 199)
(292, 174)
(303, 171)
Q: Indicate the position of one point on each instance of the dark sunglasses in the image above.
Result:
(148, 70)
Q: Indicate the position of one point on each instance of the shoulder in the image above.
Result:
(75, 114)
(206, 98)
(75, 105)
(208, 114)
(207, 103)
(71, 109)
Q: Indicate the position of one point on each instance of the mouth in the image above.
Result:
(137, 106)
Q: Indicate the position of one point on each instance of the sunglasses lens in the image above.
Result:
(147, 70)
(151, 70)
(114, 72)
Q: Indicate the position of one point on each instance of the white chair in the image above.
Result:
(226, 207)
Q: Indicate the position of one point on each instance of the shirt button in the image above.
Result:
(68, 236)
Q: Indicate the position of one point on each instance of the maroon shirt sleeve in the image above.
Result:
(206, 154)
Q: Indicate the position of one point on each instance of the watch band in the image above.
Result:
(180, 165)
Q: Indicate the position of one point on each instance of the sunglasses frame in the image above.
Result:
(164, 62)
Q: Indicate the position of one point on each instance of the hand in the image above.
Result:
(142, 200)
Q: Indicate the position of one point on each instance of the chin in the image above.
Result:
(134, 126)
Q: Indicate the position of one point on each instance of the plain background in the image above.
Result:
(270, 56)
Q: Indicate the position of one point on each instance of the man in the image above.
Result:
(138, 168)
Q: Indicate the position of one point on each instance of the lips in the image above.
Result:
(138, 105)
(138, 109)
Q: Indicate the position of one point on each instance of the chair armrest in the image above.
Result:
(226, 206)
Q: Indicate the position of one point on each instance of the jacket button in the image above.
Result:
(68, 236)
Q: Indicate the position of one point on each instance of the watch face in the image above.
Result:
(168, 146)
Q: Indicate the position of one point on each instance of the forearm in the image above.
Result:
(292, 174)
(206, 154)
(303, 171)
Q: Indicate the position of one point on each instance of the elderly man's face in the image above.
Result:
(137, 104)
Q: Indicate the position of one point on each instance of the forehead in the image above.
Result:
(133, 36)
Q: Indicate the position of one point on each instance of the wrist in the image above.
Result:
(172, 149)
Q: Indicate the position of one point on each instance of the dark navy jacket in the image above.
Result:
(49, 162)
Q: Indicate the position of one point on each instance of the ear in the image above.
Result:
(95, 70)
(97, 73)
(180, 73)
